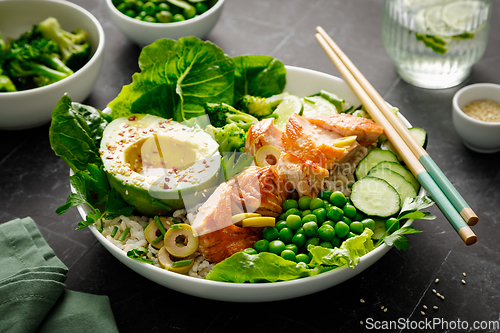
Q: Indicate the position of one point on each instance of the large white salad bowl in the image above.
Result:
(300, 82)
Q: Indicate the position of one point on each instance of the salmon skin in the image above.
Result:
(258, 190)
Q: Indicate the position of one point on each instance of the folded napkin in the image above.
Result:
(32, 290)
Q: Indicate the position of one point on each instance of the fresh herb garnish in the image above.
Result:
(139, 255)
(230, 168)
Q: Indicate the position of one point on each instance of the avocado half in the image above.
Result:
(159, 165)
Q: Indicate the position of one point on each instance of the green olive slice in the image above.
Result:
(181, 240)
(152, 232)
(167, 261)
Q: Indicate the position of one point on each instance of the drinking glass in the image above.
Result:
(434, 43)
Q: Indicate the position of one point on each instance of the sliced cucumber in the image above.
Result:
(387, 145)
(396, 167)
(289, 105)
(373, 158)
(420, 135)
(376, 197)
(317, 105)
(404, 188)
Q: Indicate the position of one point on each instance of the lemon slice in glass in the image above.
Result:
(462, 15)
(289, 105)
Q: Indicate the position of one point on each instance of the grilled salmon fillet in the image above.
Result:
(261, 134)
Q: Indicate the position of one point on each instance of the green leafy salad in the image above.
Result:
(188, 85)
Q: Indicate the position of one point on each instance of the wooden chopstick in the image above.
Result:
(427, 162)
(444, 204)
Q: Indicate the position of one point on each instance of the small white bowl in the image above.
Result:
(31, 108)
(480, 136)
(144, 33)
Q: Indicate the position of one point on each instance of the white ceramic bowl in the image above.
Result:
(300, 82)
(478, 135)
(31, 108)
(144, 33)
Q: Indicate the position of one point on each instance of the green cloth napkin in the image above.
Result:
(33, 296)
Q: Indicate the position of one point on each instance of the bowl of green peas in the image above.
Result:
(144, 21)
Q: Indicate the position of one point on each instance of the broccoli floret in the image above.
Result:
(221, 114)
(6, 84)
(230, 137)
(73, 46)
(257, 106)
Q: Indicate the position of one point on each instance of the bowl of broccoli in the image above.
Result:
(47, 48)
(145, 21)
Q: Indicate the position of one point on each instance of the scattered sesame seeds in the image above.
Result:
(436, 281)
(463, 282)
(423, 313)
(362, 301)
(425, 307)
(435, 307)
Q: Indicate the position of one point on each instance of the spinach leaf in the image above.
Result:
(257, 75)
(75, 133)
(177, 78)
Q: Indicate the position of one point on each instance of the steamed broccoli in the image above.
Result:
(74, 47)
(230, 137)
(6, 84)
(222, 114)
(257, 106)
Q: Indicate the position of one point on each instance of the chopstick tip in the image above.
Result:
(467, 235)
(469, 216)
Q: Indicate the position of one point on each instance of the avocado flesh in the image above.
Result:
(159, 165)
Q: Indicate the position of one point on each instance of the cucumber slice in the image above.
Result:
(420, 135)
(404, 188)
(387, 145)
(396, 167)
(289, 105)
(317, 105)
(376, 197)
(373, 158)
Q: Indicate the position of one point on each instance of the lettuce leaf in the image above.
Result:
(258, 75)
(177, 78)
(269, 267)
(76, 132)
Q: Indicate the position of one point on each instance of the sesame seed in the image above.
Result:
(442, 297)
(385, 310)
(464, 274)
(423, 313)
(438, 295)
(361, 322)
(435, 307)
(425, 307)
(382, 307)
(436, 281)
(434, 291)
(362, 300)
(463, 281)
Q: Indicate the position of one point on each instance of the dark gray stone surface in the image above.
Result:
(34, 182)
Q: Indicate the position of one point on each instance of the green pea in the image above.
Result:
(290, 211)
(351, 234)
(280, 225)
(316, 203)
(306, 212)
(309, 217)
(346, 220)
(368, 223)
(329, 222)
(164, 16)
(138, 6)
(138, 18)
(292, 247)
(349, 211)
(327, 204)
(302, 257)
(149, 18)
(286, 235)
(336, 242)
(299, 240)
(320, 214)
(293, 222)
(356, 227)
(300, 231)
(178, 18)
(335, 213)
(338, 199)
(328, 245)
(282, 217)
(276, 246)
(313, 240)
(392, 224)
(341, 229)
(130, 3)
(270, 233)
(189, 12)
(200, 7)
(142, 14)
(288, 255)
(130, 13)
(359, 216)
(122, 7)
(149, 8)
(310, 229)
(250, 251)
(261, 245)
(290, 203)
(116, 3)
(326, 232)
(162, 6)
(325, 195)
(304, 202)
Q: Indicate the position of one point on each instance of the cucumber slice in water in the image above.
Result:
(376, 197)
(374, 157)
(404, 188)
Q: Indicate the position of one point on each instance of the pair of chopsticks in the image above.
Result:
(447, 198)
